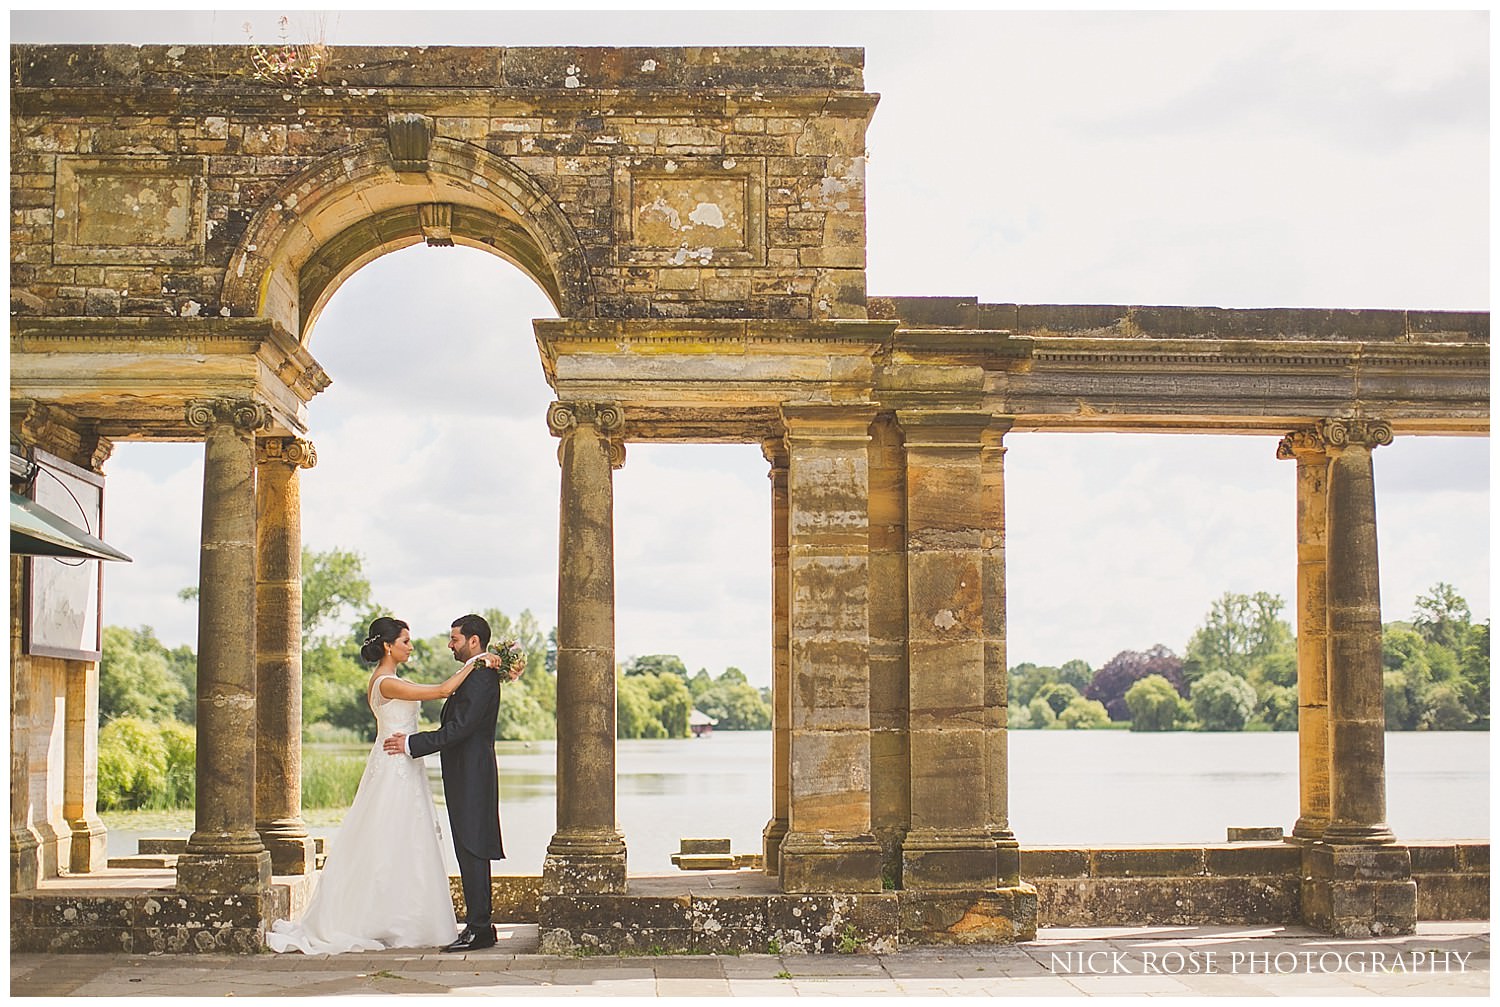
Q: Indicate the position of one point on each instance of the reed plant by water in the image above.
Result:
(330, 776)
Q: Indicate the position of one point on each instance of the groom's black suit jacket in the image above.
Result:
(466, 739)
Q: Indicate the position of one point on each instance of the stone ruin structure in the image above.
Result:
(697, 216)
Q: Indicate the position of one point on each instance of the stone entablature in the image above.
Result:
(165, 180)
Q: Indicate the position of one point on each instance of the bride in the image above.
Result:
(384, 884)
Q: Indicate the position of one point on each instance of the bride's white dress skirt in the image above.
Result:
(384, 884)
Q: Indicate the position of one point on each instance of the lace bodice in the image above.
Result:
(392, 715)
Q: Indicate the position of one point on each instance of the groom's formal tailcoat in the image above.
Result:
(466, 741)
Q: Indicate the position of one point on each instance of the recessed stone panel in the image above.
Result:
(129, 210)
(690, 211)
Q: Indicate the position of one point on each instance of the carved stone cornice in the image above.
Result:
(773, 450)
(607, 418)
(1302, 442)
(1355, 431)
(245, 415)
(293, 451)
(54, 429)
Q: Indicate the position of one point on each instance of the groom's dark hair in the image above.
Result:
(473, 625)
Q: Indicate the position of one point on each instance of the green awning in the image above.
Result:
(36, 531)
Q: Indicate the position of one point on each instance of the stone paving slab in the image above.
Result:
(1056, 964)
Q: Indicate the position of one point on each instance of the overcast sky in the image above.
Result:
(1237, 160)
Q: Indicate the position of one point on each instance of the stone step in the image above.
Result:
(754, 861)
(704, 861)
(145, 862)
(178, 844)
(703, 846)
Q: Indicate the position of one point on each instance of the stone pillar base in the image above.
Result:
(813, 863)
(24, 869)
(1358, 891)
(943, 859)
(88, 850)
(584, 865)
(770, 844)
(224, 873)
(1308, 830)
(292, 849)
(998, 916)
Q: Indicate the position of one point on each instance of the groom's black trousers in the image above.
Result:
(475, 874)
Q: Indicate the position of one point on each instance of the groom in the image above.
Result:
(466, 739)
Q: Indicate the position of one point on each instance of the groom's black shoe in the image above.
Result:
(473, 939)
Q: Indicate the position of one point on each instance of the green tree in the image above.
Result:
(333, 585)
(673, 702)
(1222, 701)
(1240, 633)
(1408, 677)
(1278, 709)
(138, 677)
(132, 765)
(655, 664)
(1057, 695)
(1083, 714)
(700, 683)
(1025, 680)
(181, 745)
(737, 706)
(1442, 617)
(635, 710)
(1446, 709)
(1155, 705)
(1039, 713)
(1474, 666)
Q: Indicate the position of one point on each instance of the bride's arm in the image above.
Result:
(392, 687)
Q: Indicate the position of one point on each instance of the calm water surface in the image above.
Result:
(1067, 787)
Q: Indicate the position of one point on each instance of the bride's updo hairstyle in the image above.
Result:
(382, 631)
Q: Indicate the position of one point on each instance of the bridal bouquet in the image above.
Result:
(512, 659)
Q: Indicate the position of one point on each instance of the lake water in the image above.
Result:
(1066, 787)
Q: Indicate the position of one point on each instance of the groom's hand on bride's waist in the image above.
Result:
(396, 744)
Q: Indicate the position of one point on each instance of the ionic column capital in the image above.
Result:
(565, 417)
(1355, 431)
(1298, 443)
(245, 415)
(291, 451)
(606, 418)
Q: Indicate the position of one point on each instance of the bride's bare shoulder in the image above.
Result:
(376, 686)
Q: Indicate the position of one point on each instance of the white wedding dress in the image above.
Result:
(384, 884)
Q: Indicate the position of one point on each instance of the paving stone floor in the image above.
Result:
(1441, 959)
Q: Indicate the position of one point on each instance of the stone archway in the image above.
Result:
(356, 204)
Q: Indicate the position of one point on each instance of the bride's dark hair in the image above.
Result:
(382, 631)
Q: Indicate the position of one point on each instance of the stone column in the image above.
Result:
(950, 844)
(278, 653)
(890, 745)
(781, 699)
(996, 671)
(829, 846)
(1355, 670)
(87, 851)
(224, 854)
(24, 844)
(1307, 447)
(1357, 881)
(587, 854)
